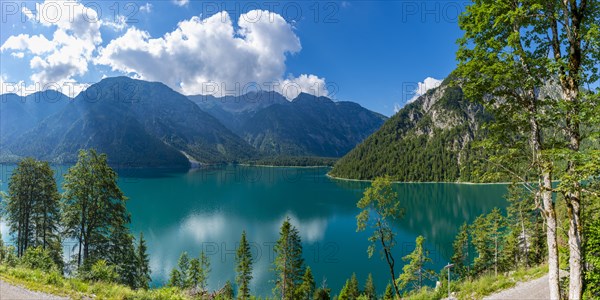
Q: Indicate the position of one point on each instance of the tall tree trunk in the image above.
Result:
(390, 261)
(551, 239)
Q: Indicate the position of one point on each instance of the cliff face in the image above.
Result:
(427, 140)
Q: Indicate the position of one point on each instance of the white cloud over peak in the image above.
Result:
(209, 56)
(422, 87)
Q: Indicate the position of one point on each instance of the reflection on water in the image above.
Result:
(207, 209)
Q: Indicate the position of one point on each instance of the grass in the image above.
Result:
(54, 283)
(481, 286)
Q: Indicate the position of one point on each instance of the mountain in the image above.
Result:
(429, 139)
(234, 111)
(137, 123)
(19, 114)
(305, 126)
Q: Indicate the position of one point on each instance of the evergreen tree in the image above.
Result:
(94, 207)
(307, 288)
(370, 290)
(389, 292)
(228, 290)
(33, 208)
(415, 272)
(183, 263)
(122, 254)
(243, 268)
(350, 289)
(489, 233)
(175, 279)
(194, 274)
(380, 206)
(323, 292)
(521, 215)
(204, 271)
(142, 264)
(460, 258)
(289, 264)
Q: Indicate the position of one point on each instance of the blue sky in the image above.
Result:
(371, 52)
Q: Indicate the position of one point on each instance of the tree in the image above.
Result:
(142, 264)
(460, 258)
(194, 274)
(389, 292)
(380, 207)
(243, 268)
(307, 287)
(511, 51)
(94, 207)
(323, 292)
(33, 208)
(350, 289)
(227, 290)
(415, 272)
(183, 263)
(289, 264)
(370, 290)
(175, 279)
(204, 271)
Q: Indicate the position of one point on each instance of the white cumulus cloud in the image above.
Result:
(422, 87)
(209, 56)
(181, 2)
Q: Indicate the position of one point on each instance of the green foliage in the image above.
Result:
(37, 258)
(296, 161)
(184, 266)
(414, 273)
(307, 288)
(430, 139)
(370, 290)
(227, 291)
(76, 288)
(94, 211)
(142, 265)
(101, 270)
(350, 289)
(389, 293)
(488, 233)
(289, 264)
(460, 247)
(175, 279)
(379, 207)
(196, 274)
(33, 210)
(243, 268)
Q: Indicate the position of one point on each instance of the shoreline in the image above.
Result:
(277, 166)
(429, 182)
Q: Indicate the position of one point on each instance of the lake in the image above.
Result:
(207, 209)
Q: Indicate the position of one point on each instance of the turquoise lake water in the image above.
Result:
(207, 209)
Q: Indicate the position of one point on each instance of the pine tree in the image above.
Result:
(414, 272)
(243, 268)
(307, 288)
(194, 274)
(460, 259)
(204, 271)
(142, 263)
(184, 267)
(289, 264)
(227, 290)
(370, 290)
(175, 279)
(33, 208)
(381, 202)
(323, 292)
(389, 292)
(94, 207)
(353, 289)
(497, 225)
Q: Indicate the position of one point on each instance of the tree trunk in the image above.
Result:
(390, 261)
(551, 239)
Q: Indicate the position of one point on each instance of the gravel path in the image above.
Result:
(530, 290)
(12, 292)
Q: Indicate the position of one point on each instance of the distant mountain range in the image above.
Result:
(429, 139)
(139, 123)
(306, 126)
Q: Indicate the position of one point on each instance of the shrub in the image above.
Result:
(37, 258)
(101, 271)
